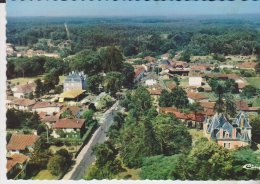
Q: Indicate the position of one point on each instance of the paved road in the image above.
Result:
(85, 159)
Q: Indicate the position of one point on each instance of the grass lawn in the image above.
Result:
(167, 82)
(45, 175)
(24, 80)
(62, 78)
(254, 81)
(71, 149)
(196, 134)
(210, 95)
(131, 174)
(256, 102)
(184, 82)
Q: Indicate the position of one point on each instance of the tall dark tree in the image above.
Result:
(230, 106)
(111, 59)
(165, 99)
(255, 123)
(180, 99)
(113, 82)
(219, 105)
(128, 75)
(94, 83)
(39, 90)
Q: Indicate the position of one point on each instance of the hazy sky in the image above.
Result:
(128, 8)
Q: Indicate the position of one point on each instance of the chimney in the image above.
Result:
(221, 133)
(234, 133)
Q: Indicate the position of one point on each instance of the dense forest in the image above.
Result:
(139, 35)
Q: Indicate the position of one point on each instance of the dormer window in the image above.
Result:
(226, 135)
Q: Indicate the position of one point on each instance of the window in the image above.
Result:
(226, 135)
(226, 145)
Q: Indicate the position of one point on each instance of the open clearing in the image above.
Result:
(254, 81)
(45, 175)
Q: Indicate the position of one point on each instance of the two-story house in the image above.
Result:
(230, 133)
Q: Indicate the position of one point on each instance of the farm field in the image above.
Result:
(254, 81)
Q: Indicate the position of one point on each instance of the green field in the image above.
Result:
(256, 102)
(184, 82)
(24, 80)
(45, 175)
(254, 81)
(210, 95)
(196, 134)
(131, 174)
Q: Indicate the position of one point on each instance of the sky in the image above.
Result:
(129, 8)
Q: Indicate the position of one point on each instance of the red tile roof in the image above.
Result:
(181, 115)
(26, 88)
(199, 67)
(68, 123)
(208, 112)
(208, 105)
(154, 92)
(253, 108)
(247, 65)
(150, 59)
(23, 102)
(50, 118)
(196, 96)
(46, 104)
(139, 71)
(42, 114)
(178, 64)
(241, 105)
(21, 141)
(15, 159)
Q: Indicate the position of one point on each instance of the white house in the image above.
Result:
(150, 82)
(195, 81)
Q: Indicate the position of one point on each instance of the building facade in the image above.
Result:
(75, 81)
(232, 133)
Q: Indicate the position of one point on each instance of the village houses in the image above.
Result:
(16, 166)
(23, 90)
(69, 127)
(21, 143)
(48, 107)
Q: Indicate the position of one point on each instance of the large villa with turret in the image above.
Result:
(229, 133)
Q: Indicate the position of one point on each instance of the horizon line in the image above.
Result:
(126, 16)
